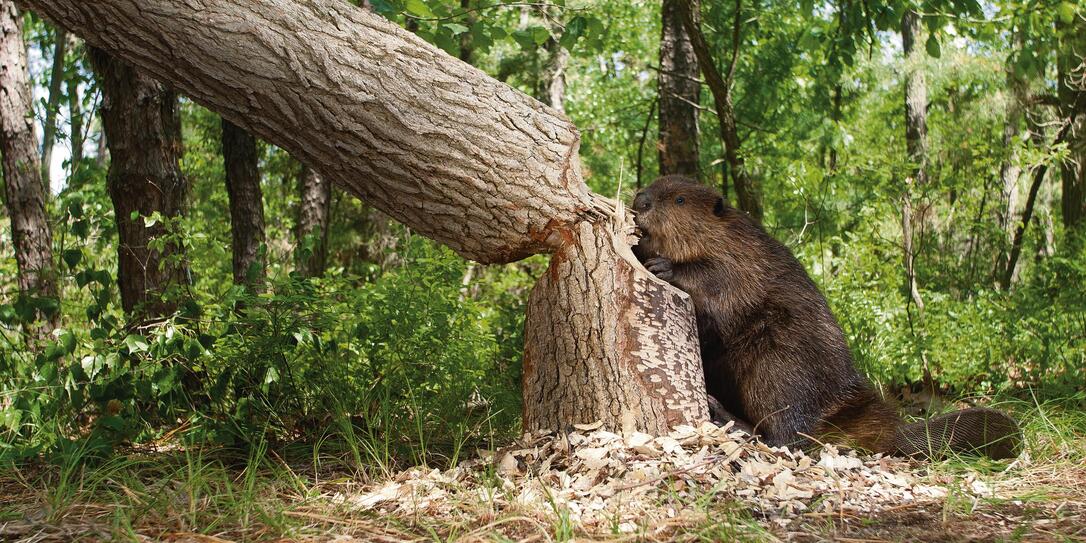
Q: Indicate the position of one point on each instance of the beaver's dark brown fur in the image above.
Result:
(773, 353)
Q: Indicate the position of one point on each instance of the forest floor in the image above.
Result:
(697, 484)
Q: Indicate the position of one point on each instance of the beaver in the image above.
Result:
(775, 358)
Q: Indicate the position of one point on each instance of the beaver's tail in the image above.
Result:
(977, 430)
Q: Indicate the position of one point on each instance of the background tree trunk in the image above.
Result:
(552, 80)
(49, 127)
(746, 193)
(1010, 171)
(1071, 68)
(23, 189)
(246, 205)
(314, 213)
(679, 90)
(75, 106)
(467, 45)
(143, 129)
(441, 147)
(916, 143)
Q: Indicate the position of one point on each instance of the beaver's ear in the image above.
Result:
(718, 208)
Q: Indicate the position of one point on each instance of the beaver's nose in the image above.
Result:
(642, 202)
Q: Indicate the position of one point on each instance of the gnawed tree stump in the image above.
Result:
(606, 340)
(456, 155)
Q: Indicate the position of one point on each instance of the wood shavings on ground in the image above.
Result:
(608, 482)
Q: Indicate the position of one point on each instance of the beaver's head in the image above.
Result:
(677, 217)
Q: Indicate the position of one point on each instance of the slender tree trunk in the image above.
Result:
(1020, 230)
(552, 81)
(23, 190)
(641, 143)
(747, 194)
(240, 159)
(1071, 68)
(679, 92)
(101, 146)
(52, 104)
(143, 128)
(835, 116)
(1010, 171)
(503, 183)
(75, 107)
(314, 213)
(467, 47)
(916, 134)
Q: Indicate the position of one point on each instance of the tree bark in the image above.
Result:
(552, 82)
(1010, 171)
(143, 128)
(589, 305)
(397, 123)
(467, 47)
(24, 193)
(916, 143)
(75, 108)
(314, 213)
(679, 92)
(441, 147)
(52, 104)
(246, 206)
(746, 193)
(1071, 68)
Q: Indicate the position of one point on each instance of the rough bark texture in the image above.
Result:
(443, 148)
(1010, 171)
(314, 212)
(1071, 67)
(552, 81)
(246, 205)
(467, 45)
(643, 374)
(75, 107)
(916, 143)
(746, 193)
(49, 127)
(431, 141)
(143, 128)
(24, 193)
(679, 90)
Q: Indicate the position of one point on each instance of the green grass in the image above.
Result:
(288, 491)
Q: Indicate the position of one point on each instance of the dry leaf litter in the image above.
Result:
(605, 480)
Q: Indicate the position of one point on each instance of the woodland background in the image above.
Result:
(934, 187)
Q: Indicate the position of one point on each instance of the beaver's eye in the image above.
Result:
(680, 200)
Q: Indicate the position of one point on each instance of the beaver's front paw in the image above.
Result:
(660, 267)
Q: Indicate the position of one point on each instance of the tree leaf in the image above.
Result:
(932, 47)
(456, 28)
(72, 257)
(419, 8)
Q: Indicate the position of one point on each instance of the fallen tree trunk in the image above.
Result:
(442, 147)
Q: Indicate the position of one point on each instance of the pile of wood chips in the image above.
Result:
(606, 481)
